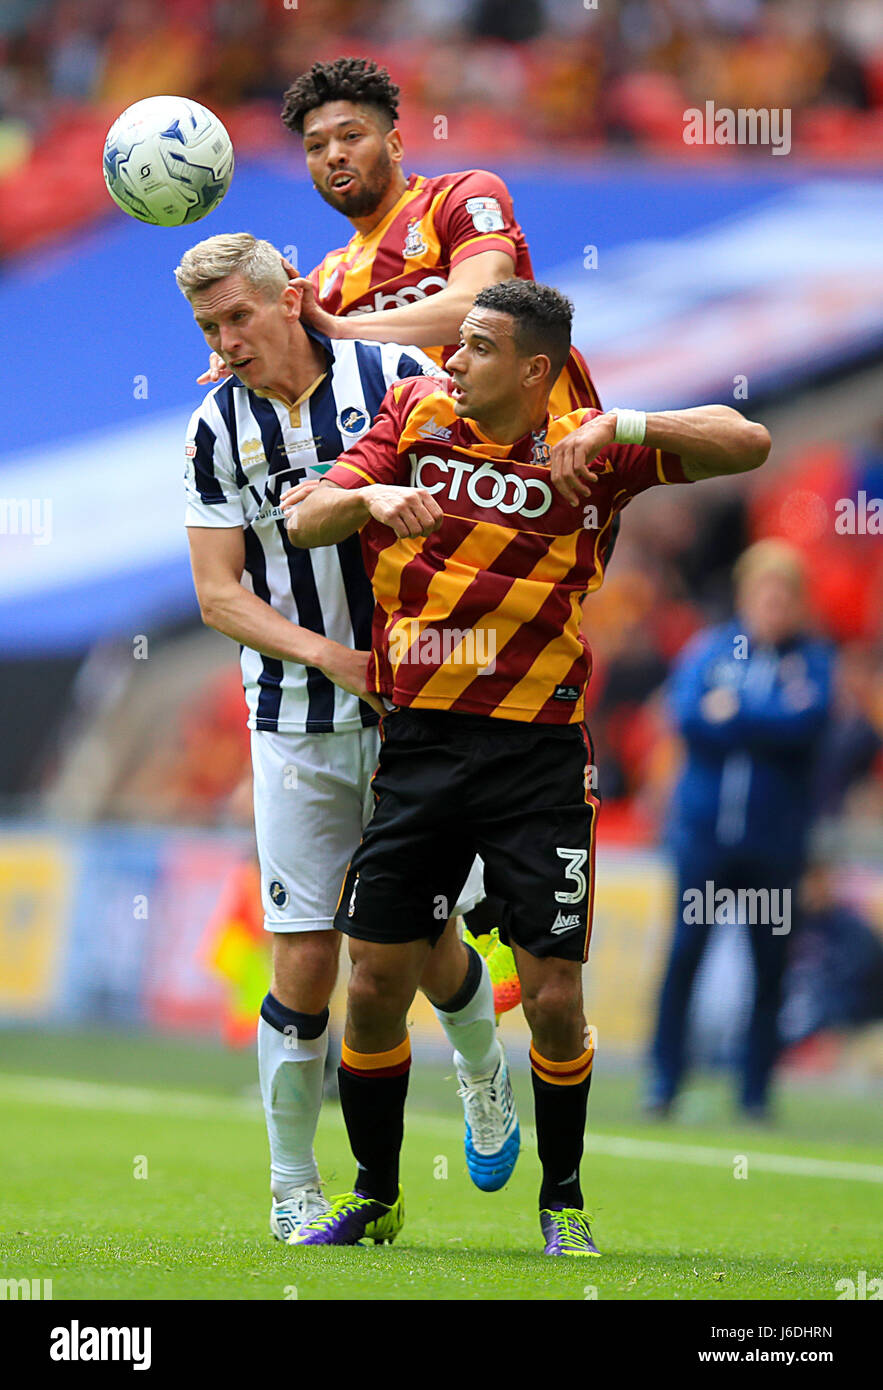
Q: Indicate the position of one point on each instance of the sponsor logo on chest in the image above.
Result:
(482, 484)
(397, 299)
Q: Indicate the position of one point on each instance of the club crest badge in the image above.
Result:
(278, 893)
(414, 243)
(353, 420)
(540, 453)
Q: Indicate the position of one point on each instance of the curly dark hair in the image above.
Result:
(543, 317)
(346, 79)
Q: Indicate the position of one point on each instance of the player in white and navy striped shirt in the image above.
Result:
(303, 619)
(243, 451)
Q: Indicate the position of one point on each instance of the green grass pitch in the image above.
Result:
(673, 1220)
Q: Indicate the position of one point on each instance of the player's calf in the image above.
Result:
(292, 1048)
(376, 1060)
(561, 1056)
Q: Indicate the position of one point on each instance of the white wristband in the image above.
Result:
(631, 426)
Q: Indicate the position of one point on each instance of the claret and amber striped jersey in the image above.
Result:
(483, 616)
(436, 225)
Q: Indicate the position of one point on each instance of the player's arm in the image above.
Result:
(217, 557)
(426, 323)
(710, 440)
(365, 484)
(331, 512)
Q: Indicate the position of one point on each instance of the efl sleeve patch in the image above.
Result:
(486, 214)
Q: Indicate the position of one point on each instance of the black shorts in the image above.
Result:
(450, 786)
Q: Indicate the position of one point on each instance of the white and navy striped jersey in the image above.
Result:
(242, 452)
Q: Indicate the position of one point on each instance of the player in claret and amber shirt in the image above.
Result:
(480, 551)
(423, 247)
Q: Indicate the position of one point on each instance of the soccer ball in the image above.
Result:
(167, 160)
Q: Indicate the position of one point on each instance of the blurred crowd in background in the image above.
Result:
(509, 75)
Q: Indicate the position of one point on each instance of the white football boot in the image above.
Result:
(306, 1203)
(493, 1138)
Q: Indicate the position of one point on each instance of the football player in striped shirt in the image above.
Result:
(480, 554)
(295, 403)
(422, 247)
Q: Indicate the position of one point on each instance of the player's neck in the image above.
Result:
(509, 425)
(304, 362)
(366, 225)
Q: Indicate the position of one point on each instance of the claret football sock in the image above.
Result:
(291, 1066)
(469, 1021)
(561, 1093)
(373, 1087)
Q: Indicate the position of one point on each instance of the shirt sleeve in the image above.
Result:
(640, 467)
(375, 458)
(476, 216)
(212, 493)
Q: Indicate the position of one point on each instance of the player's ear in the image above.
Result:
(539, 370)
(292, 298)
(394, 145)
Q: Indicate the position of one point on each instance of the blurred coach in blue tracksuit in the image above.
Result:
(750, 699)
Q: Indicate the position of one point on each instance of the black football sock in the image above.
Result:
(561, 1093)
(373, 1087)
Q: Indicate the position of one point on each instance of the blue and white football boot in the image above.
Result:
(493, 1139)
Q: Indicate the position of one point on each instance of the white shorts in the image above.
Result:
(312, 800)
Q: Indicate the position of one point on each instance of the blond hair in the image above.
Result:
(770, 556)
(228, 254)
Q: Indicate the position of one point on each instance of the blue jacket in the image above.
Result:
(748, 783)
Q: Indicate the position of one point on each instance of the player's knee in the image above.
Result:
(305, 968)
(375, 991)
(554, 1005)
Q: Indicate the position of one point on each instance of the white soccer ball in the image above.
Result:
(167, 160)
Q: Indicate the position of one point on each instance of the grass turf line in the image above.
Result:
(195, 1227)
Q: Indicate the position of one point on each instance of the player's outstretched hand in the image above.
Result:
(349, 670)
(409, 511)
(217, 371)
(570, 457)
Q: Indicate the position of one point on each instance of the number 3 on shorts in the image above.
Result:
(575, 860)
